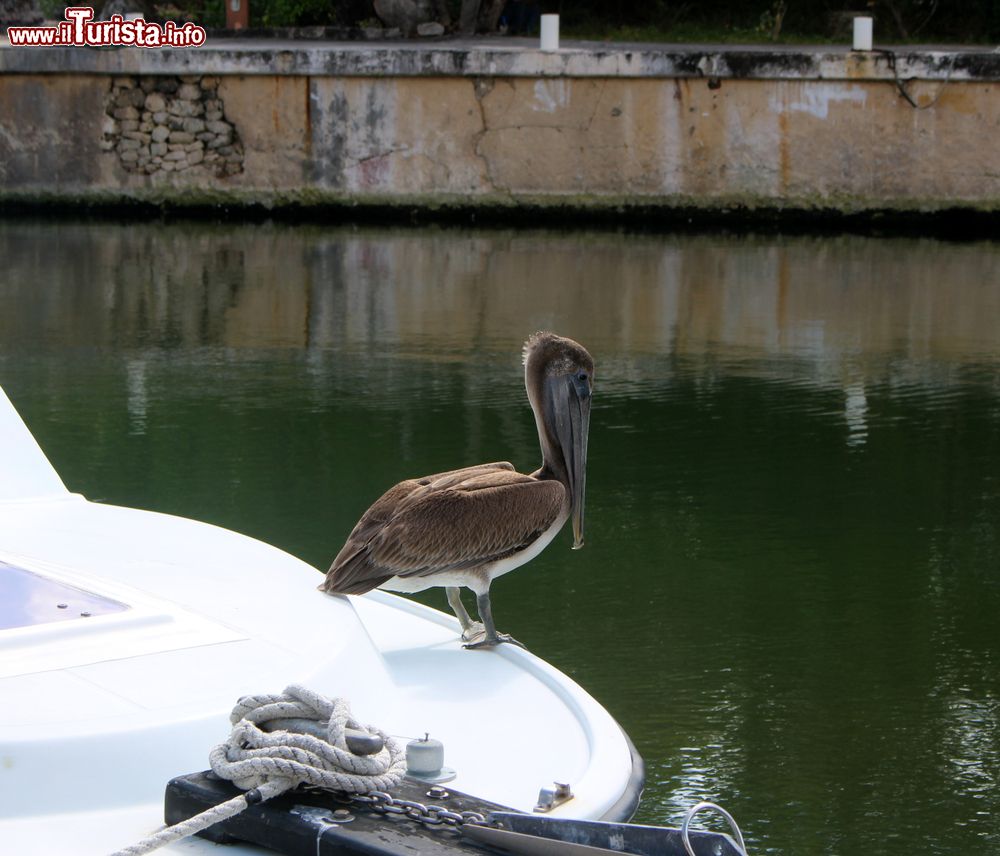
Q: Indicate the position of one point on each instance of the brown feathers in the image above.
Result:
(555, 354)
(452, 521)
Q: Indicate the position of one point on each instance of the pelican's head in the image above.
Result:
(559, 377)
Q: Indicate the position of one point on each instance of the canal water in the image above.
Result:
(790, 591)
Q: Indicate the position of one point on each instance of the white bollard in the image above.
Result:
(550, 33)
(862, 34)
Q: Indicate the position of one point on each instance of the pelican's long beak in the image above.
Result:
(569, 400)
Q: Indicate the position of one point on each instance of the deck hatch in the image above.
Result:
(28, 599)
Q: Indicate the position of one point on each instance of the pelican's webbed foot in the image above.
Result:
(497, 639)
(490, 636)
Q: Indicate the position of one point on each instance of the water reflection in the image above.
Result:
(752, 302)
(789, 592)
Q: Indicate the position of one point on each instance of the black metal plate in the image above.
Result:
(535, 831)
(299, 824)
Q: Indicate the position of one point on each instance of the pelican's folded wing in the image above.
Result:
(454, 521)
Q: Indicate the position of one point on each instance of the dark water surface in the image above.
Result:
(791, 587)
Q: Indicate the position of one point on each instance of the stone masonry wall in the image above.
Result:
(170, 124)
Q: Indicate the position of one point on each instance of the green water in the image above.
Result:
(790, 591)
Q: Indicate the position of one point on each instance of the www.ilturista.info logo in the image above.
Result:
(82, 30)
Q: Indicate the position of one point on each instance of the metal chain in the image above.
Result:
(430, 815)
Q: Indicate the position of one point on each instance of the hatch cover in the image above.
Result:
(28, 599)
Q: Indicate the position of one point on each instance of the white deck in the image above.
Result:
(96, 714)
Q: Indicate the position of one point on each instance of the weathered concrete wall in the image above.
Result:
(479, 126)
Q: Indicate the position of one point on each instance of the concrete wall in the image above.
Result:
(461, 125)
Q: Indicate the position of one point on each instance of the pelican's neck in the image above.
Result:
(552, 468)
(553, 463)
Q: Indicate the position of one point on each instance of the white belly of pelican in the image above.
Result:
(477, 579)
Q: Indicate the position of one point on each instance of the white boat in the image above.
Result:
(127, 636)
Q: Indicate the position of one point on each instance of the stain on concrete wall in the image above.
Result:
(50, 129)
(414, 136)
(273, 118)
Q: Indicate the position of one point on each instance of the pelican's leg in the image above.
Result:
(470, 628)
(492, 638)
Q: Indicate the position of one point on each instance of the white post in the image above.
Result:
(550, 32)
(862, 34)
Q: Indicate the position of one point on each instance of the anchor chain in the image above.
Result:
(430, 815)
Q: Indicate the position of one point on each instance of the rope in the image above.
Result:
(266, 764)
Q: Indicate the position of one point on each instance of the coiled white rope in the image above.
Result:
(266, 764)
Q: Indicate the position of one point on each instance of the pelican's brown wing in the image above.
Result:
(447, 522)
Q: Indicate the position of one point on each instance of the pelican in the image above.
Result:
(466, 527)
